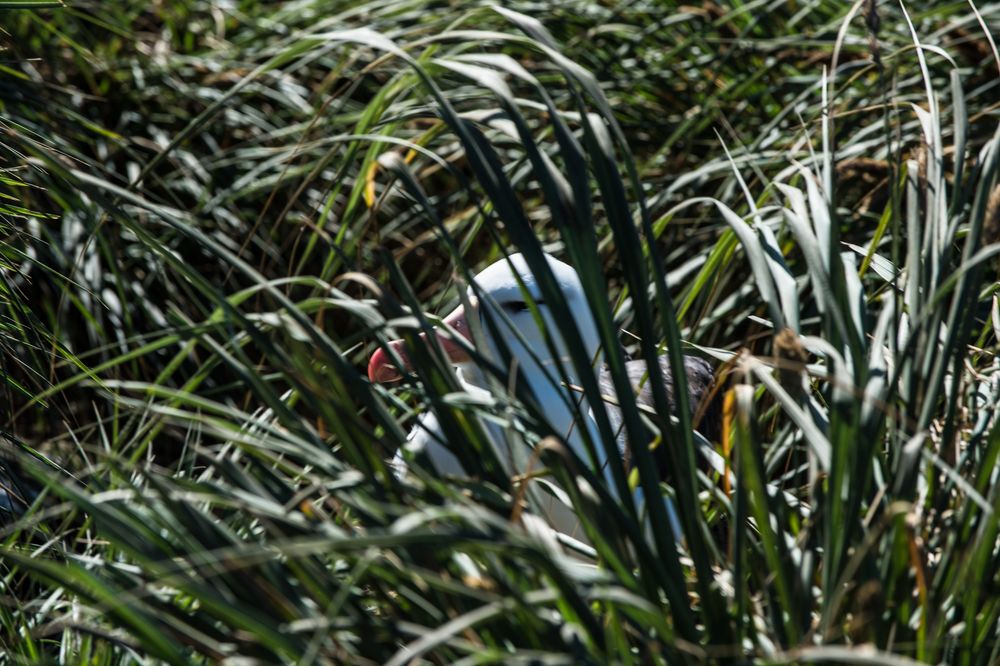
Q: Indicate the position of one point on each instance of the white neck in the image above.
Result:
(567, 417)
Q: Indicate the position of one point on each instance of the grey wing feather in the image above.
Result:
(700, 380)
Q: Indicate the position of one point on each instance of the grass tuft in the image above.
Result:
(213, 214)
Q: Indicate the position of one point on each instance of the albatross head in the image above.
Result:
(506, 290)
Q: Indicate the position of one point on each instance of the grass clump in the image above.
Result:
(214, 214)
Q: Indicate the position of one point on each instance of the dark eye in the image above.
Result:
(514, 307)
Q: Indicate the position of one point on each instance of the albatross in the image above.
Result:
(505, 293)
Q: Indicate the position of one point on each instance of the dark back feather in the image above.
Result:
(701, 399)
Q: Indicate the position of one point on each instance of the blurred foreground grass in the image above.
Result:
(203, 204)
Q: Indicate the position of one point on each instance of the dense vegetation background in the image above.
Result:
(213, 213)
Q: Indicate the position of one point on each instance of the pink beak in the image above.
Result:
(381, 368)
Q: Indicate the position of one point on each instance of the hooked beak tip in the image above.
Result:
(381, 369)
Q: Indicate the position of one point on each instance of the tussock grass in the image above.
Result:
(214, 214)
